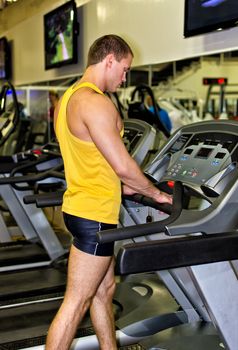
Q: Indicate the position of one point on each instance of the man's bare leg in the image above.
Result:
(85, 273)
(101, 311)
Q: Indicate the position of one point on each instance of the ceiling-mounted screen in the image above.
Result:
(203, 16)
(60, 32)
(5, 60)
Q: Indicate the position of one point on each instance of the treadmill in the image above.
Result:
(196, 309)
(41, 246)
(32, 222)
(26, 319)
(194, 250)
(193, 256)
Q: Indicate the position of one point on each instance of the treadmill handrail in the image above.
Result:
(54, 172)
(172, 253)
(31, 164)
(149, 202)
(148, 228)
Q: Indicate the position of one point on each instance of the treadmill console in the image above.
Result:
(131, 138)
(139, 138)
(199, 158)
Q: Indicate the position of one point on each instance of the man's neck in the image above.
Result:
(95, 76)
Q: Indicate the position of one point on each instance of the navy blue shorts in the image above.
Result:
(84, 233)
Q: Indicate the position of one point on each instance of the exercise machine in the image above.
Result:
(32, 222)
(197, 162)
(193, 250)
(134, 297)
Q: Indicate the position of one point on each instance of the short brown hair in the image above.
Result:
(105, 45)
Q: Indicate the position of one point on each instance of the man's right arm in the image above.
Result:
(101, 120)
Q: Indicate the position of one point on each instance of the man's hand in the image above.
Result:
(162, 197)
(158, 196)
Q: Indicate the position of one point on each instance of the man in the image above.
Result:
(89, 131)
(53, 99)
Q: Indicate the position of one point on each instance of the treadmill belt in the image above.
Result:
(27, 326)
(21, 253)
(30, 283)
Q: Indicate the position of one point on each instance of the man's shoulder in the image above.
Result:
(87, 95)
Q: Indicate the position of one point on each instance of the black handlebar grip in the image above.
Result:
(149, 202)
(52, 200)
(148, 228)
(45, 199)
(29, 199)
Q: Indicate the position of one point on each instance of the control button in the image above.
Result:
(170, 184)
(184, 172)
(194, 173)
(184, 157)
(215, 162)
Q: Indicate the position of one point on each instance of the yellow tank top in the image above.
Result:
(93, 188)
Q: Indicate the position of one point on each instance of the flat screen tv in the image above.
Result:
(203, 16)
(5, 60)
(60, 33)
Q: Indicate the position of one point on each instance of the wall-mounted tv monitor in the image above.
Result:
(5, 59)
(203, 16)
(60, 33)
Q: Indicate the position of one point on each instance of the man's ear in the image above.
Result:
(110, 58)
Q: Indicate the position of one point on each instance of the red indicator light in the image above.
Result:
(37, 151)
(221, 81)
(215, 81)
(170, 184)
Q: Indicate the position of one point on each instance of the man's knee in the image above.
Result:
(111, 288)
(106, 291)
(80, 298)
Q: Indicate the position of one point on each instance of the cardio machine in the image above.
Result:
(193, 250)
(41, 246)
(138, 137)
(192, 255)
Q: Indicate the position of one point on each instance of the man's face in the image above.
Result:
(118, 71)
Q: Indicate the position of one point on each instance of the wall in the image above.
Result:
(154, 28)
(193, 80)
(190, 79)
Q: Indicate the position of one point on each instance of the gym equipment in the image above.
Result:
(201, 306)
(137, 109)
(203, 158)
(32, 221)
(14, 124)
(9, 115)
(132, 299)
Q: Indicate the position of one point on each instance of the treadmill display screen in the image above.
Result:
(204, 152)
(220, 155)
